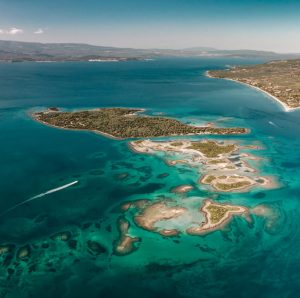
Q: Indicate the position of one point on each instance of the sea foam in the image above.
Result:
(39, 196)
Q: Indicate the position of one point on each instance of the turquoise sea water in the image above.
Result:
(243, 260)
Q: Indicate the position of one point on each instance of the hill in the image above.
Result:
(31, 51)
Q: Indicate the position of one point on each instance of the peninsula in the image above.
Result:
(279, 79)
(123, 123)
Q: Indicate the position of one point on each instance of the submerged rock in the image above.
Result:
(97, 172)
(86, 225)
(163, 175)
(6, 248)
(10, 271)
(62, 236)
(95, 248)
(24, 252)
(45, 245)
(7, 260)
(259, 195)
(121, 176)
(72, 244)
(108, 228)
(125, 244)
(32, 268)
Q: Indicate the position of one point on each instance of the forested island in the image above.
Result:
(123, 123)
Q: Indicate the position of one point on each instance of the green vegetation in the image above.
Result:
(177, 144)
(212, 149)
(230, 186)
(230, 167)
(216, 161)
(126, 123)
(209, 179)
(217, 212)
(279, 78)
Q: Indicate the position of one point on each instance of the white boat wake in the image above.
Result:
(39, 196)
(272, 123)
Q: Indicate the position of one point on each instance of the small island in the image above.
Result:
(216, 216)
(181, 189)
(170, 218)
(279, 79)
(123, 123)
(125, 244)
(222, 166)
(152, 213)
(228, 183)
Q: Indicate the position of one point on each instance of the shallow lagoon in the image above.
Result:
(244, 260)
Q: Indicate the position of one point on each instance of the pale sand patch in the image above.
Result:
(126, 243)
(182, 188)
(157, 212)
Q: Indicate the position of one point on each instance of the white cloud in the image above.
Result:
(39, 31)
(11, 31)
(14, 31)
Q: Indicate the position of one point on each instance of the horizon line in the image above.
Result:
(155, 48)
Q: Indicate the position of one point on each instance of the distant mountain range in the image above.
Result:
(16, 51)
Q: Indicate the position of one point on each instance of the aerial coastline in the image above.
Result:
(277, 79)
(134, 165)
(283, 105)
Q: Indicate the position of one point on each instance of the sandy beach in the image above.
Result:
(285, 107)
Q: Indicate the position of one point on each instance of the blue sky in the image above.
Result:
(228, 24)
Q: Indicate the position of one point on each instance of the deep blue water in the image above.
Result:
(241, 261)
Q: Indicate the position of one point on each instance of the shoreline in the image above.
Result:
(229, 175)
(74, 129)
(33, 117)
(208, 226)
(284, 106)
(111, 136)
(242, 189)
(247, 131)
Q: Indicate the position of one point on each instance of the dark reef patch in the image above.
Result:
(95, 248)
(259, 195)
(162, 175)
